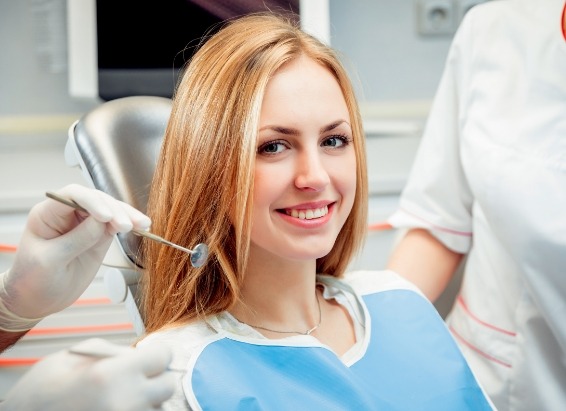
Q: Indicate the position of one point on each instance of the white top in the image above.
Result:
(489, 179)
(187, 342)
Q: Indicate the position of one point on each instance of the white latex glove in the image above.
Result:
(134, 379)
(61, 250)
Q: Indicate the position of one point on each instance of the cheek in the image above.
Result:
(267, 185)
(344, 176)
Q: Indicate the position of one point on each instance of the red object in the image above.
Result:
(7, 248)
(381, 226)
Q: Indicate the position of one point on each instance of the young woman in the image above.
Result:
(264, 160)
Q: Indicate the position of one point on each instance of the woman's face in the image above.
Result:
(305, 171)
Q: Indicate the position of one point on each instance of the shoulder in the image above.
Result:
(365, 282)
(485, 24)
(183, 341)
(495, 21)
(495, 12)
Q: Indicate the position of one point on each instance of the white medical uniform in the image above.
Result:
(489, 180)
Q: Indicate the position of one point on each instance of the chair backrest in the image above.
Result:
(116, 146)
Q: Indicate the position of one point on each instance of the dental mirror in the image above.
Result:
(198, 255)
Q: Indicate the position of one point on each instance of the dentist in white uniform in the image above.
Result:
(489, 182)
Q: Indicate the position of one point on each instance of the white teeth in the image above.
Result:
(308, 214)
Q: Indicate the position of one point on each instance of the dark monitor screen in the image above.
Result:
(143, 45)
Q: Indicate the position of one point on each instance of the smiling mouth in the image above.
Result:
(308, 214)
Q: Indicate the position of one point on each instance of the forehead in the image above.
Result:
(302, 90)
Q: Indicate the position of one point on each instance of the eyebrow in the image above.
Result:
(295, 132)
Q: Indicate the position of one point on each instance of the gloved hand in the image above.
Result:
(61, 250)
(134, 379)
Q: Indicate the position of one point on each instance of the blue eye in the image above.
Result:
(336, 141)
(271, 147)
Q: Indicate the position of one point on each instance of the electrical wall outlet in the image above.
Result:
(436, 17)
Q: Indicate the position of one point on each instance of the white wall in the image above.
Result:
(381, 43)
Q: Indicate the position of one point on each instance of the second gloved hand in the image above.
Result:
(130, 380)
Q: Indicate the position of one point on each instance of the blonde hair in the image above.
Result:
(203, 185)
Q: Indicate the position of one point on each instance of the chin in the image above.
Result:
(310, 255)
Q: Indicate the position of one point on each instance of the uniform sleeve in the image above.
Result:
(437, 196)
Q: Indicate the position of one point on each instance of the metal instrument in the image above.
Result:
(198, 255)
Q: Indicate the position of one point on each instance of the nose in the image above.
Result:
(312, 174)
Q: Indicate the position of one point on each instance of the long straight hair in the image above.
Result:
(202, 190)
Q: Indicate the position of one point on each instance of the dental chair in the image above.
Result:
(116, 146)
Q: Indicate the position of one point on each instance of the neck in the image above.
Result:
(288, 327)
(279, 295)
